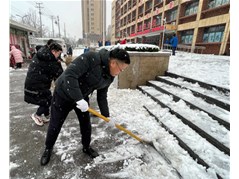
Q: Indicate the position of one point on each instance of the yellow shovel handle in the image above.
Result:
(116, 125)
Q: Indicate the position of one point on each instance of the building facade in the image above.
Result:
(93, 20)
(197, 23)
(21, 36)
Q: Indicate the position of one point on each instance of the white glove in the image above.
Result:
(111, 122)
(82, 105)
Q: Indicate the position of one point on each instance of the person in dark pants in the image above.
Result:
(70, 51)
(86, 49)
(174, 43)
(43, 69)
(88, 72)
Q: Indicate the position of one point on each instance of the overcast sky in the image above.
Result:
(69, 12)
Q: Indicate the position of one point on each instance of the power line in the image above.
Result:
(47, 11)
(17, 11)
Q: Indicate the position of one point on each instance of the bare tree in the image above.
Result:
(33, 20)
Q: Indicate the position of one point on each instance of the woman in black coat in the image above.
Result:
(43, 69)
(88, 72)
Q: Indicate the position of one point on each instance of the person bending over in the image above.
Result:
(88, 72)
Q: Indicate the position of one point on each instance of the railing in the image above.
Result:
(186, 48)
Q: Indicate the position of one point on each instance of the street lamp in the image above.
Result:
(164, 22)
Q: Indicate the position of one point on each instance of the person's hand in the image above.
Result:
(82, 105)
(111, 122)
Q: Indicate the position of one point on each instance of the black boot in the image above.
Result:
(45, 158)
(91, 152)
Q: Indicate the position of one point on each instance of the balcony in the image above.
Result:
(186, 19)
(219, 10)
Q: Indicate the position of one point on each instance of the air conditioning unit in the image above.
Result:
(173, 23)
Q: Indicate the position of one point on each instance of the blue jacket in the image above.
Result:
(174, 41)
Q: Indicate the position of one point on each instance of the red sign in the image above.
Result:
(148, 31)
(157, 28)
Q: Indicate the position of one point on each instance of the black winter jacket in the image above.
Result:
(88, 72)
(43, 69)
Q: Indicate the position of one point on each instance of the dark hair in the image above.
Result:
(38, 47)
(120, 54)
(55, 46)
(50, 41)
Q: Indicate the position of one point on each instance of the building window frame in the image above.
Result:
(191, 8)
(213, 34)
(216, 3)
(187, 36)
(172, 15)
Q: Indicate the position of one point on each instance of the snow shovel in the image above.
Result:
(134, 136)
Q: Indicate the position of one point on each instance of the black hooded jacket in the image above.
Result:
(88, 72)
(43, 69)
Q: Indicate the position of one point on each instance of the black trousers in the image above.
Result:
(60, 108)
(43, 110)
(19, 65)
(173, 50)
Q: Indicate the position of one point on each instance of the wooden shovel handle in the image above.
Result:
(116, 125)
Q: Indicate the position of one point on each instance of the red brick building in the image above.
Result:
(197, 23)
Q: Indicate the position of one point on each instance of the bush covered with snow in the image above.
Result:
(133, 47)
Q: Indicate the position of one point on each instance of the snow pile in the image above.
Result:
(133, 47)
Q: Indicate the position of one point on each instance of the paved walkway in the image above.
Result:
(68, 161)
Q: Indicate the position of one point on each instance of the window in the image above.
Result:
(191, 9)
(211, 37)
(148, 5)
(218, 36)
(213, 34)
(141, 10)
(187, 37)
(172, 15)
(147, 24)
(205, 38)
(157, 1)
(156, 20)
(140, 27)
(216, 3)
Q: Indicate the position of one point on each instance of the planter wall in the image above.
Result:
(144, 66)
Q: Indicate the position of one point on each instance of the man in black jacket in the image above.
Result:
(43, 69)
(88, 72)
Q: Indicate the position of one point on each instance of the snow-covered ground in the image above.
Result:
(139, 162)
(212, 69)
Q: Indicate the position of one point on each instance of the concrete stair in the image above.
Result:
(201, 107)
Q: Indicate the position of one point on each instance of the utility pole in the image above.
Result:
(65, 29)
(164, 25)
(59, 26)
(103, 9)
(39, 7)
(52, 20)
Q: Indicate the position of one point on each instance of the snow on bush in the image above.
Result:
(133, 47)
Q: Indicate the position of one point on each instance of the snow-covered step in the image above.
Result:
(208, 128)
(202, 84)
(217, 113)
(182, 144)
(205, 152)
(211, 96)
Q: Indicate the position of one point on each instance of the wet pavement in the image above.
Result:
(67, 161)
